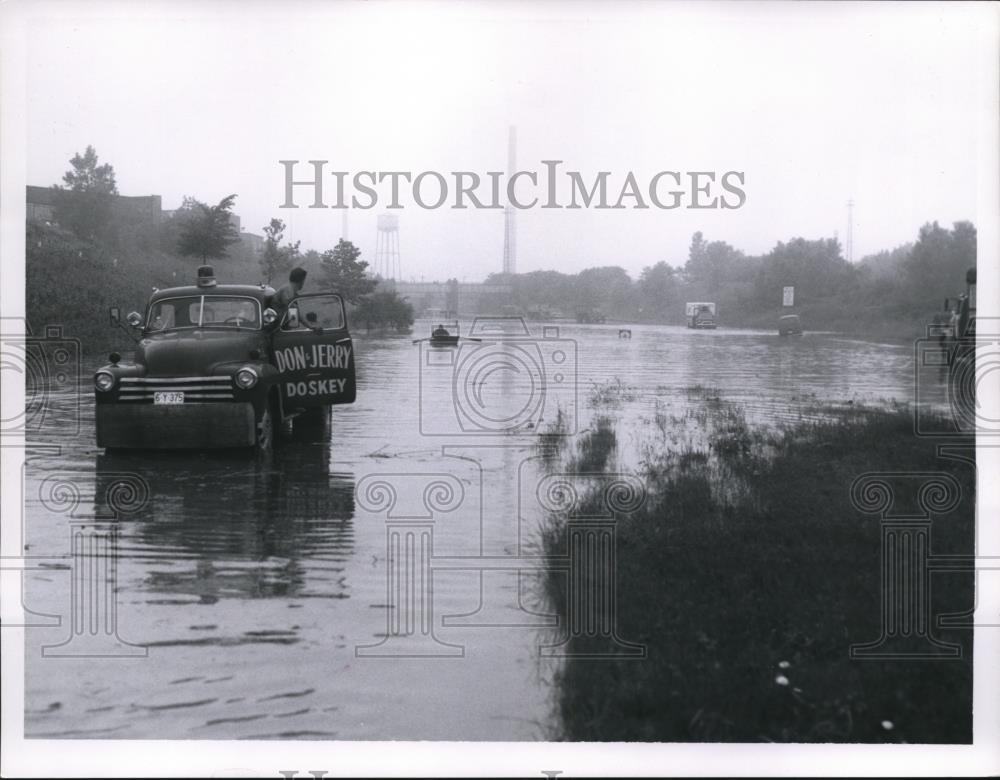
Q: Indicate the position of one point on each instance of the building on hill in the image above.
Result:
(138, 208)
(253, 243)
(41, 205)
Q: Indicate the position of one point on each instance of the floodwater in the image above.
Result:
(262, 596)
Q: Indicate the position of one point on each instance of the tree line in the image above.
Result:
(895, 292)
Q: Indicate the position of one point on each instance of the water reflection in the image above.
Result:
(233, 526)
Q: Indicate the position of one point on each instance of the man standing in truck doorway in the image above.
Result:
(288, 292)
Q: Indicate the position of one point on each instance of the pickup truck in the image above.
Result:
(216, 365)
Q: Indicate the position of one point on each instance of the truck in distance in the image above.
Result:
(700, 315)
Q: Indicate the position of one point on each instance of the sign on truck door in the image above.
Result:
(314, 354)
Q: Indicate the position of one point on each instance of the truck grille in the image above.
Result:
(195, 388)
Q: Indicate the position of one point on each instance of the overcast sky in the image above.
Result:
(815, 103)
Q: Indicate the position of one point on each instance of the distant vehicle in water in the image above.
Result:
(448, 334)
(542, 313)
(790, 325)
(590, 317)
(700, 315)
(445, 334)
(216, 366)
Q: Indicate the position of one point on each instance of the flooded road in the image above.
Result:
(352, 584)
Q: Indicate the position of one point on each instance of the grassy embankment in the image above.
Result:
(71, 283)
(747, 573)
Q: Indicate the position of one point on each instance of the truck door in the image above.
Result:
(314, 354)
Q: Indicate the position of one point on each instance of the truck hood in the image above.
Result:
(196, 352)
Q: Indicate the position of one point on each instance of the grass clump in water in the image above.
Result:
(595, 449)
(611, 394)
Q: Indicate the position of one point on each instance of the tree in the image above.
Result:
(887, 262)
(277, 260)
(206, 231)
(710, 264)
(659, 293)
(344, 273)
(937, 265)
(385, 308)
(815, 268)
(604, 291)
(696, 254)
(84, 204)
(88, 176)
(541, 291)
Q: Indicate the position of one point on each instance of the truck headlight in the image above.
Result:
(104, 381)
(246, 378)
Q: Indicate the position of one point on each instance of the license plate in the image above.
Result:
(168, 398)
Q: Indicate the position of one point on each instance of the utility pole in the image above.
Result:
(850, 230)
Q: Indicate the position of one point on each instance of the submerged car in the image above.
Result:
(790, 325)
(216, 366)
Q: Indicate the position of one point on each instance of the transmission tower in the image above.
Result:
(509, 225)
(386, 262)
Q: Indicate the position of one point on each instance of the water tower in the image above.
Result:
(386, 262)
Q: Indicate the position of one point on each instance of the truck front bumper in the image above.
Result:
(175, 426)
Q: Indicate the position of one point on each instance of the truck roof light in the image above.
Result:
(206, 276)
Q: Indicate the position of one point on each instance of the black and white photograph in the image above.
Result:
(499, 388)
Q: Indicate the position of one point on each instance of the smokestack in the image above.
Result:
(510, 226)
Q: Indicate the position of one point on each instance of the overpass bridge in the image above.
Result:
(462, 298)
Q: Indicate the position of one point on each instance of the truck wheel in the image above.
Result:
(311, 421)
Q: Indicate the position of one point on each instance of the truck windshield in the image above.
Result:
(196, 311)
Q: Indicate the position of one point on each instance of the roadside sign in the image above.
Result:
(788, 296)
